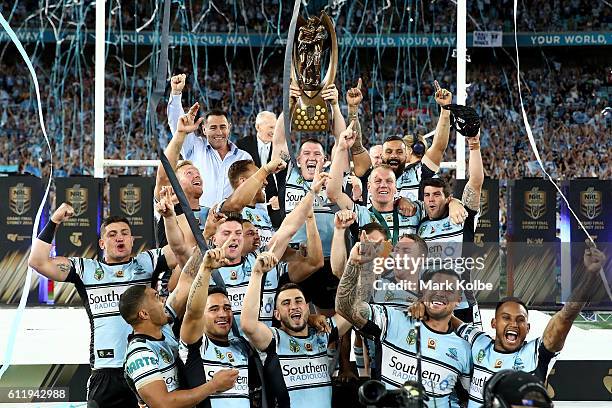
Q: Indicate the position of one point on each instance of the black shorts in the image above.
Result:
(320, 287)
(107, 388)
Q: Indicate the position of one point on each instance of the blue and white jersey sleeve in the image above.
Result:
(142, 366)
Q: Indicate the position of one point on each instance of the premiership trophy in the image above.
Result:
(311, 112)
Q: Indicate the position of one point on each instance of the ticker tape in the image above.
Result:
(15, 325)
(537, 154)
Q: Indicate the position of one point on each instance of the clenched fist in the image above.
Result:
(177, 83)
(63, 212)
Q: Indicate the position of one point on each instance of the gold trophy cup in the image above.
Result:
(311, 113)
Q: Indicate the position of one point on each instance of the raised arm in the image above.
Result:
(294, 220)
(258, 333)
(313, 261)
(330, 94)
(174, 234)
(560, 324)
(361, 158)
(245, 193)
(56, 268)
(193, 324)
(178, 297)
(334, 187)
(185, 124)
(433, 156)
(471, 191)
(342, 221)
(174, 110)
(348, 302)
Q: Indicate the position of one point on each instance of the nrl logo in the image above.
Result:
(99, 274)
(590, 203)
(129, 199)
(484, 202)
(165, 356)
(294, 347)
(20, 198)
(480, 357)
(411, 339)
(535, 203)
(77, 198)
(219, 355)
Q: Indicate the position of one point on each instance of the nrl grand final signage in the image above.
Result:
(78, 236)
(132, 197)
(17, 217)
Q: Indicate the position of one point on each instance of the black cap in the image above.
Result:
(518, 388)
(464, 119)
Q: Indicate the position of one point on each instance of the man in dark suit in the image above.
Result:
(260, 148)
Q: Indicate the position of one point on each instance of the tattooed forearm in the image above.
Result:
(471, 197)
(347, 302)
(198, 292)
(192, 265)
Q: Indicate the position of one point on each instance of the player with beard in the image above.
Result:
(445, 237)
(249, 183)
(509, 350)
(301, 350)
(321, 286)
(150, 367)
(445, 356)
(237, 271)
(416, 162)
(211, 154)
(99, 284)
(398, 217)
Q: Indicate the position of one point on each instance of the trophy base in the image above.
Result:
(310, 115)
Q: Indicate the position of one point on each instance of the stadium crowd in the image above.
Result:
(564, 108)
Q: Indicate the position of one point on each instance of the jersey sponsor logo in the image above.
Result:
(249, 216)
(294, 346)
(236, 297)
(165, 356)
(230, 357)
(401, 368)
(99, 274)
(218, 354)
(267, 304)
(233, 275)
(433, 230)
(479, 379)
(171, 380)
(119, 273)
(498, 363)
(431, 343)
(241, 386)
(446, 226)
(452, 353)
(422, 229)
(411, 338)
(140, 362)
(481, 354)
(303, 372)
(293, 197)
(308, 346)
(105, 300)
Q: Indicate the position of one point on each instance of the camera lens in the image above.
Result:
(371, 392)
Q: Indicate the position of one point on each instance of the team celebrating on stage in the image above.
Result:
(270, 309)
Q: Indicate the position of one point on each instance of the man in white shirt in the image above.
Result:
(212, 154)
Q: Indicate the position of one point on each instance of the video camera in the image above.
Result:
(374, 394)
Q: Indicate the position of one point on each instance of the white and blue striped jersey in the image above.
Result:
(100, 285)
(204, 358)
(149, 359)
(305, 366)
(531, 357)
(407, 225)
(446, 357)
(236, 279)
(296, 189)
(409, 182)
(258, 216)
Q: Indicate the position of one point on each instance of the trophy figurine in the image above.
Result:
(311, 112)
